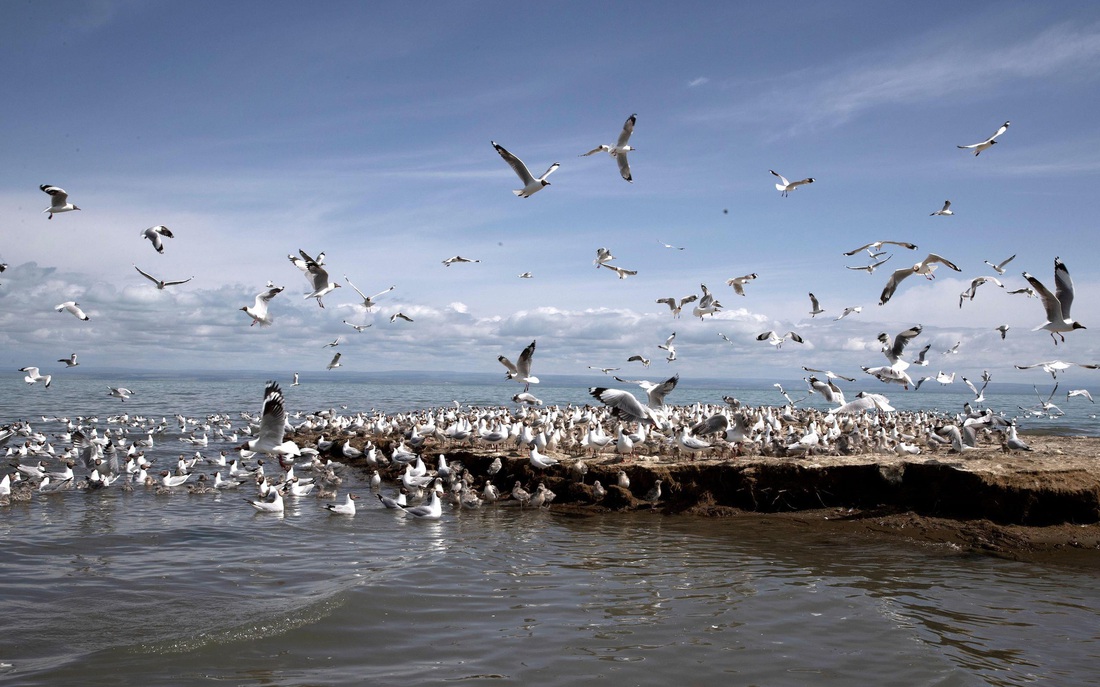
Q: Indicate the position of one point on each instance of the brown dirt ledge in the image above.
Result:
(1023, 505)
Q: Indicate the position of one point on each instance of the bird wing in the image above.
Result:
(1063, 286)
(892, 284)
(523, 367)
(901, 341)
(785, 183)
(273, 417)
(57, 195)
(356, 288)
(1051, 303)
(794, 337)
(595, 150)
(623, 404)
(177, 282)
(551, 169)
(506, 363)
(516, 164)
(147, 275)
(657, 393)
(628, 128)
(670, 302)
(1006, 261)
(266, 296)
(932, 257)
(317, 275)
(813, 302)
(624, 167)
(1004, 128)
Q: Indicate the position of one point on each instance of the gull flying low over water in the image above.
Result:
(59, 200)
(625, 406)
(161, 283)
(531, 185)
(71, 307)
(979, 147)
(925, 267)
(258, 311)
(521, 370)
(945, 210)
(119, 392)
(1056, 304)
(1056, 366)
(334, 363)
(457, 258)
(1079, 392)
(738, 283)
(154, 235)
(317, 276)
(776, 340)
(879, 244)
(617, 151)
(33, 376)
(269, 438)
(999, 268)
(368, 301)
(70, 361)
(785, 187)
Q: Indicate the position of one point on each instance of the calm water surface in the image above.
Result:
(138, 588)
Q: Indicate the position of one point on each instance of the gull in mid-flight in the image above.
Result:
(676, 306)
(999, 268)
(521, 370)
(59, 200)
(70, 361)
(972, 290)
(738, 283)
(979, 147)
(457, 258)
(854, 310)
(33, 376)
(400, 315)
(945, 210)
(638, 359)
(334, 363)
(368, 301)
(72, 307)
(879, 244)
(777, 340)
(621, 271)
(258, 310)
(669, 245)
(815, 307)
(925, 267)
(829, 374)
(870, 269)
(530, 184)
(617, 151)
(357, 327)
(1079, 392)
(154, 235)
(269, 438)
(525, 275)
(317, 277)
(161, 283)
(1057, 304)
(603, 256)
(785, 187)
(119, 392)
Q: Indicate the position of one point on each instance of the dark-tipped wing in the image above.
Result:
(1063, 287)
(628, 128)
(515, 163)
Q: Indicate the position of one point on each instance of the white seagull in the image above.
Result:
(34, 376)
(368, 301)
(603, 255)
(357, 327)
(334, 363)
(1057, 304)
(815, 307)
(70, 361)
(677, 306)
(521, 370)
(269, 438)
(59, 200)
(738, 283)
(457, 258)
(400, 316)
(154, 235)
(777, 340)
(531, 185)
(119, 392)
(617, 151)
(979, 147)
(72, 307)
(945, 210)
(999, 268)
(853, 310)
(879, 244)
(622, 272)
(925, 267)
(258, 310)
(785, 187)
(317, 276)
(161, 283)
(345, 508)
(870, 269)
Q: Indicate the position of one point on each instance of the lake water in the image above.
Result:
(111, 588)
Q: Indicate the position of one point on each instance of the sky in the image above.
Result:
(362, 130)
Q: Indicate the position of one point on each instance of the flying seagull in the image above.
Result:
(70, 361)
(335, 362)
(368, 301)
(676, 306)
(457, 258)
(530, 184)
(400, 315)
(879, 244)
(258, 311)
(357, 327)
(161, 283)
(785, 187)
(72, 307)
(945, 210)
(617, 151)
(979, 147)
(852, 310)
(521, 370)
(738, 283)
(621, 271)
(815, 307)
(603, 255)
(59, 200)
(1057, 304)
(777, 340)
(870, 269)
(999, 268)
(33, 376)
(925, 267)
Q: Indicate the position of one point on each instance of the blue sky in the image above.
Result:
(363, 130)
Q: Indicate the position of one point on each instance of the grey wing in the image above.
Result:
(622, 403)
(1063, 287)
(624, 166)
(932, 257)
(1050, 302)
(181, 281)
(892, 284)
(657, 394)
(901, 341)
(147, 275)
(628, 128)
(516, 164)
(273, 420)
(853, 252)
(508, 364)
(318, 276)
(266, 296)
(524, 365)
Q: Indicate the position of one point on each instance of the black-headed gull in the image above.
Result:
(455, 259)
(70, 361)
(655, 391)
(317, 277)
(71, 307)
(34, 376)
(368, 301)
(59, 200)
(972, 290)
(852, 310)
(119, 392)
(161, 283)
(979, 147)
(357, 327)
(1056, 304)
(870, 269)
(945, 210)
(738, 283)
(617, 151)
(531, 185)
(638, 359)
(999, 268)
(1079, 392)
(925, 267)
(621, 271)
(785, 187)
(677, 305)
(521, 370)
(345, 508)
(269, 438)
(603, 255)
(1056, 366)
(828, 374)
(777, 340)
(154, 235)
(334, 363)
(893, 350)
(258, 311)
(433, 510)
(624, 405)
(879, 244)
(1003, 329)
(400, 316)
(815, 306)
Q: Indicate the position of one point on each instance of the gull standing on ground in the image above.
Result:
(154, 235)
(258, 312)
(738, 283)
(59, 200)
(521, 371)
(617, 151)
(531, 185)
(925, 267)
(335, 362)
(979, 147)
(945, 210)
(317, 276)
(457, 258)
(368, 301)
(72, 307)
(815, 307)
(776, 340)
(34, 376)
(70, 361)
(1056, 304)
(161, 283)
(785, 187)
(999, 268)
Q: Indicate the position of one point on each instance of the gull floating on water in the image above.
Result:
(617, 151)
(154, 235)
(979, 147)
(161, 283)
(785, 187)
(531, 185)
(71, 307)
(59, 200)
(258, 311)
(1056, 304)
(368, 301)
(945, 210)
(433, 510)
(925, 267)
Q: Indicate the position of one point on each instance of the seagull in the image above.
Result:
(999, 268)
(622, 272)
(34, 376)
(925, 267)
(335, 362)
(738, 283)
(357, 327)
(972, 290)
(275, 505)
(725, 338)
(639, 359)
(345, 508)
(295, 382)
(59, 200)
(785, 187)
(879, 244)
(521, 371)
(669, 245)
(870, 269)
(318, 278)
(676, 306)
(1027, 291)
(979, 395)
(368, 301)
(828, 389)
(953, 349)
(863, 402)
(624, 405)
(617, 151)
(603, 255)
(829, 374)
(1057, 304)
(70, 361)
(1056, 366)
(531, 185)
(895, 349)
(979, 147)
(525, 275)
(433, 510)
(944, 378)
(1080, 392)
(457, 258)
(815, 307)
(1003, 329)
(920, 356)
(854, 310)
(776, 340)
(708, 304)
(258, 311)
(604, 370)
(73, 307)
(161, 283)
(945, 210)
(655, 391)
(332, 344)
(668, 346)
(394, 317)
(120, 392)
(155, 233)
(269, 438)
